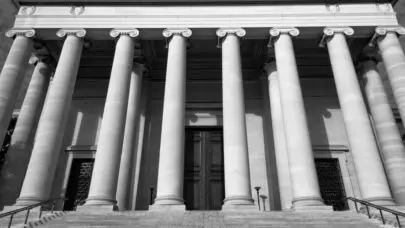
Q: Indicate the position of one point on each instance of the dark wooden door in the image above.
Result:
(331, 183)
(204, 169)
(79, 183)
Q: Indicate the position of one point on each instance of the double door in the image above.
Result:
(204, 169)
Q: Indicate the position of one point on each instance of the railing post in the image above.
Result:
(382, 216)
(40, 211)
(26, 217)
(355, 205)
(11, 220)
(368, 212)
(53, 206)
(399, 223)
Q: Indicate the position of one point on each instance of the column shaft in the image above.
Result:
(370, 172)
(392, 148)
(171, 159)
(394, 61)
(19, 153)
(280, 147)
(129, 143)
(11, 78)
(236, 159)
(106, 167)
(303, 176)
(41, 168)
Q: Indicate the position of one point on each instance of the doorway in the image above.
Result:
(79, 183)
(204, 169)
(331, 183)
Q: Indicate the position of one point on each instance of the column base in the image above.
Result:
(26, 201)
(309, 204)
(239, 203)
(167, 207)
(98, 204)
(381, 201)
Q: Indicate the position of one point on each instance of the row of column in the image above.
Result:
(103, 191)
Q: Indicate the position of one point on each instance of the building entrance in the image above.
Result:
(204, 169)
(79, 183)
(331, 183)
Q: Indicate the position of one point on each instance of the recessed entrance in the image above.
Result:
(204, 169)
(331, 183)
(79, 183)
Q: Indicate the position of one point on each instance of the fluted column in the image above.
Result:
(392, 148)
(41, 168)
(394, 61)
(104, 180)
(277, 123)
(129, 142)
(236, 158)
(171, 158)
(304, 181)
(370, 172)
(12, 74)
(19, 153)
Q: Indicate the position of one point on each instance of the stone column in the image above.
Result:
(171, 160)
(303, 176)
(12, 74)
(103, 187)
(370, 172)
(277, 123)
(394, 61)
(392, 148)
(129, 142)
(236, 157)
(19, 153)
(51, 127)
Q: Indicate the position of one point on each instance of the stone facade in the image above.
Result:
(120, 98)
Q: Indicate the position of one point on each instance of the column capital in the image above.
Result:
(222, 32)
(29, 33)
(331, 31)
(129, 32)
(270, 67)
(185, 32)
(76, 32)
(384, 30)
(47, 59)
(277, 31)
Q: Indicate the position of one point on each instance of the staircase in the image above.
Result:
(348, 219)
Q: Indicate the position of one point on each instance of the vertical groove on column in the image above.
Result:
(19, 153)
(11, 78)
(303, 176)
(393, 151)
(236, 160)
(394, 61)
(370, 172)
(103, 185)
(171, 155)
(51, 128)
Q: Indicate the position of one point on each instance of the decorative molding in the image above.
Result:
(76, 10)
(335, 8)
(341, 148)
(129, 32)
(330, 31)
(185, 32)
(383, 30)
(76, 32)
(275, 32)
(384, 7)
(29, 33)
(223, 32)
(28, 10)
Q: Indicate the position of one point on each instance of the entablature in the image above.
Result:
(204, 20)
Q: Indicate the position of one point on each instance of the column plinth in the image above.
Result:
(169, 193)
(392, 148)
(19, 153)
(41, 168)
(304, 181)
(236, 159)
(129, 142)
(370, 172)
(12, 74)
(103, 187)
(394, 61)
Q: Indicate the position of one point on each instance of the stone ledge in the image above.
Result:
(315, 208)
(239, 208)
(167, 207)
(96, 209)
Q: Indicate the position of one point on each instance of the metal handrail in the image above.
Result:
(380, 208)
(28, 209)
